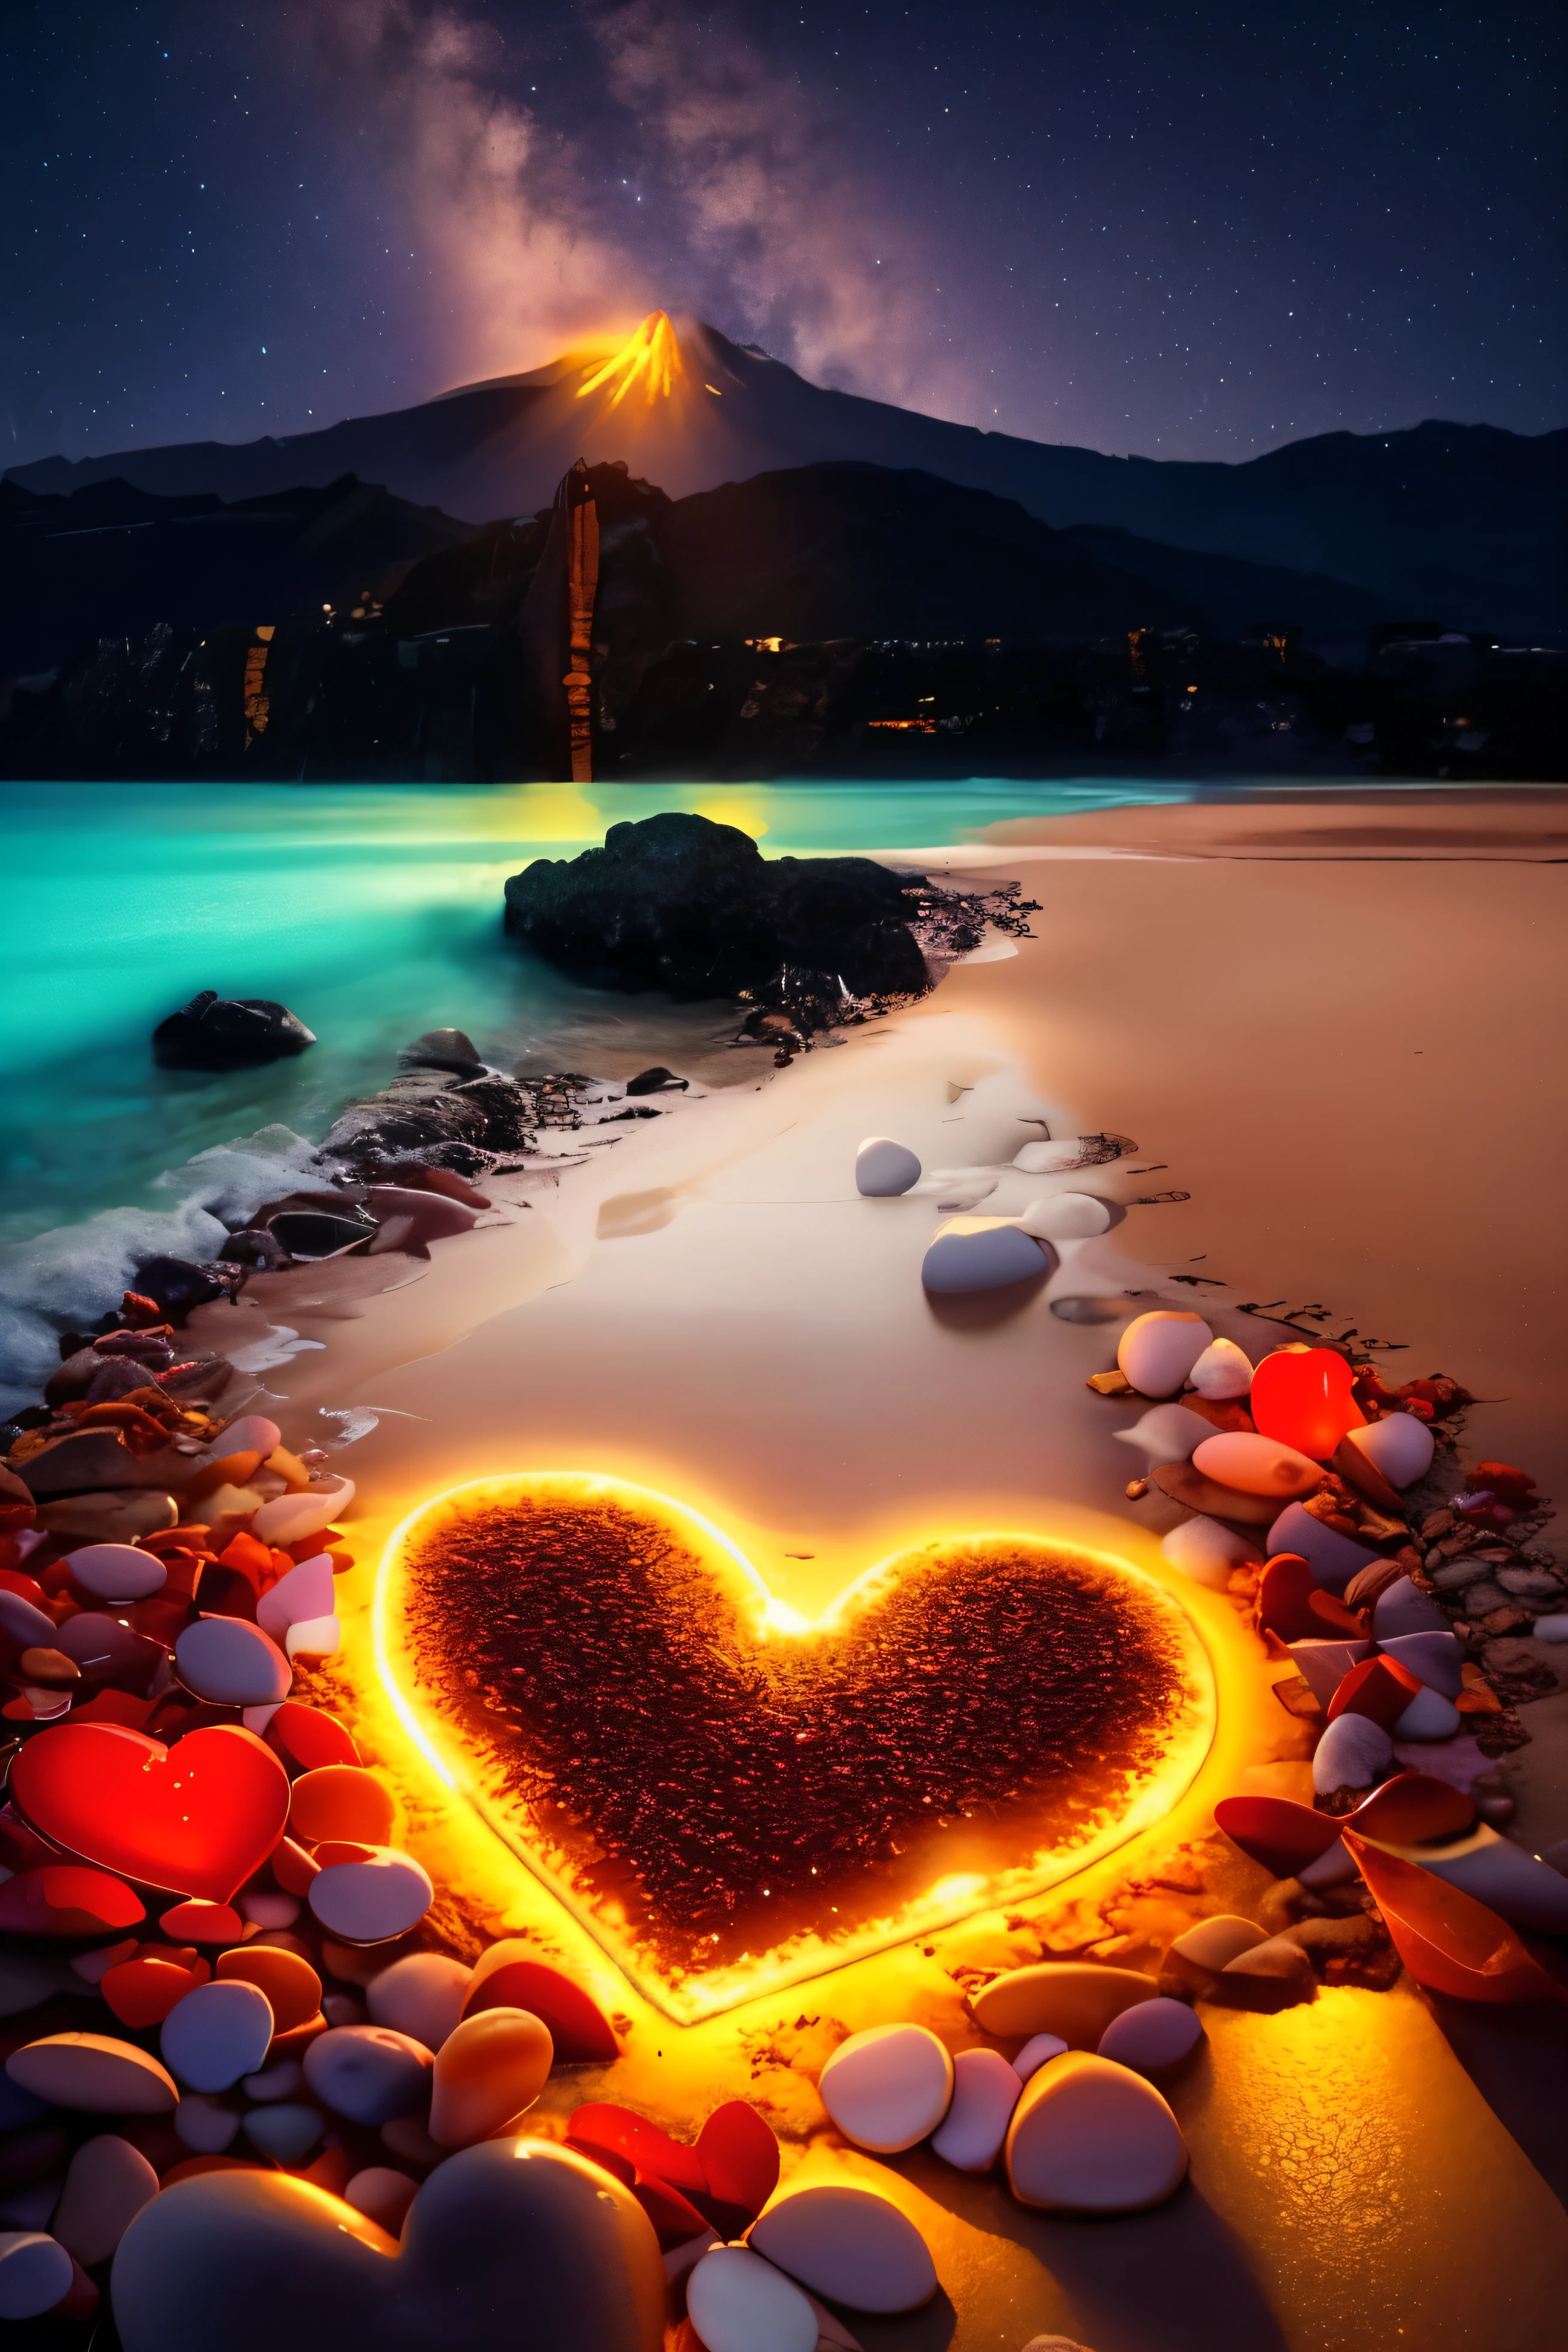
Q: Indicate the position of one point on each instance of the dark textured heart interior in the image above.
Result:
(721, 1792)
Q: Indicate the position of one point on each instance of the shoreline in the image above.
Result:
(716, 1312)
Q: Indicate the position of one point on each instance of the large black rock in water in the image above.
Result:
(218, 1032)
(680, 903)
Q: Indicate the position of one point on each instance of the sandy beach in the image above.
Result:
(1332, 1024)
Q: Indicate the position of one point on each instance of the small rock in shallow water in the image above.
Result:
(656, 1081)
(1090, 2136)
(888, 2087)
(443, 1049)
(216, 1033)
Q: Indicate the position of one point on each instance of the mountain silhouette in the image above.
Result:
(1459, 520)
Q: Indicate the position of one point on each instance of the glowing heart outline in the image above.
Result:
(697, 1998)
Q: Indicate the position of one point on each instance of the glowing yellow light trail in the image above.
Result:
(651, 357)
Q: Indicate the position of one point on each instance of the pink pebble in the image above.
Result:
(117, 1572)
(367, 1902)
(1035, 2052)
(986, 2090)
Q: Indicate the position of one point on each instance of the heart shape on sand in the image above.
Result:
(730, 1799)
(195, 1818)
(512, 2246)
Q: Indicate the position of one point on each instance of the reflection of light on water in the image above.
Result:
(956, 1896)
(742, 810)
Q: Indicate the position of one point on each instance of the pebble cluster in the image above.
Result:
(727, 1794)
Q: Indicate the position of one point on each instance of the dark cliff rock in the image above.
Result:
(679, 903)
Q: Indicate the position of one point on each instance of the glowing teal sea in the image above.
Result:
(372, 910)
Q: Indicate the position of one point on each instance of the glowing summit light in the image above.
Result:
(651, 358)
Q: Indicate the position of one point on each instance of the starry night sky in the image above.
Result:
(1189, 232)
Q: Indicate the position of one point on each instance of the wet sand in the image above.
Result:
(1335, 1028)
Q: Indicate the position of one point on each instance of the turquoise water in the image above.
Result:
(375, 912)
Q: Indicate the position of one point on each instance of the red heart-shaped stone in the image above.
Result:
(511, 2246)
(579, 2029)
(195, 1818)
(1413, 1807)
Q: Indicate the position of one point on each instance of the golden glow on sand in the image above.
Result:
(651, 357)
(687, 1997)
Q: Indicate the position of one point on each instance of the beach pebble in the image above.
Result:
(265, 1909)
(1404, 1608)
(1035, 2052)
(986, 2090)
(883, 1168)
(284, 2079)
(1399, 1445)
(20, 1622)
(216, 2033)
(205, 2126)
(848, 2244)
(970, 1254)
(231, 1663)
(1153, 2035)
(1429, 1715)
(1072, 1998)
(251, 1434)
(1324, 1664)
(342, 1800)
(314, 1637)
(1352, 1754)
(110, 1516)
(1554, 1627)
(1257, 1466)
(1157, 1351)
(107, 2184)
(1167, 1433)
(306, 1591)
(489, 2068)
(93, 2074)
(1433, 1658)
(202, 1923)
(1066, 1217)
(369, 2074)
(739, 2302)
(1222, 1371)
(422, 1995)
(1207, 1549)
(292, 1988)
(36, 2273)
(1090, 2136)
(1199, 1953)
(108, 1650)
(383, 2195)
(1274, 1974)
(367, 1901)
(888, 2087)
(1334, 1558)
(117, 1571)
(290, 1518)
(1520, 1886)
(287, 2133)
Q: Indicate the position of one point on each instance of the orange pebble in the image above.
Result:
(341, 1802)
(204, 1922)
(290, 1984)
(489, 2069)
(292, 1867)
(143, 1991)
